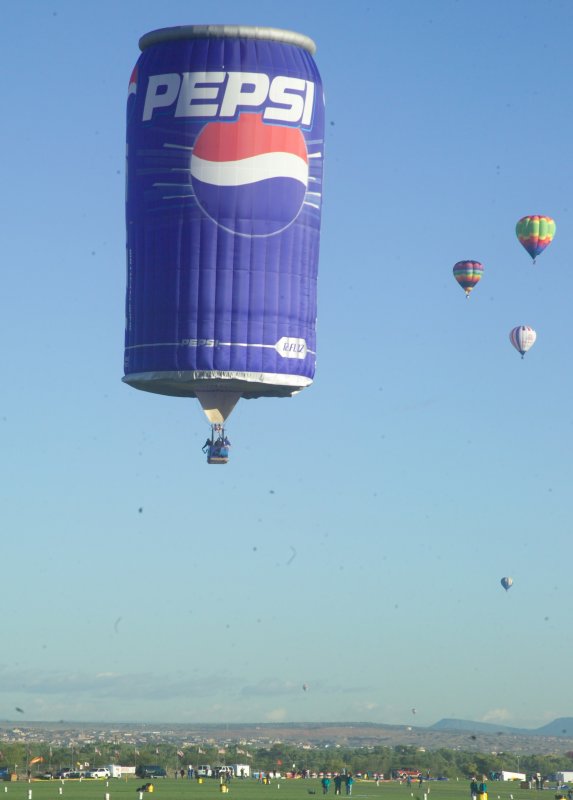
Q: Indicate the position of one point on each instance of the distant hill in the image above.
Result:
(457, 734)
(474, 727)
(559, 727)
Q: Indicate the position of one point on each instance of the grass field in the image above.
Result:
(169, 789)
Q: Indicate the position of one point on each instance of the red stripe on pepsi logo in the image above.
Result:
(247, 137)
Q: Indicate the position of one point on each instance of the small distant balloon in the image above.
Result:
(535, 233)
(522, 338)
(468, 274)
(305, 687)
(413, 711)
(507, 583)
(19, 710)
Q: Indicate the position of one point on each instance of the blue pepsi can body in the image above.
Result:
(225, 144)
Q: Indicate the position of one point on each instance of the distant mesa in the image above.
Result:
(559, 727)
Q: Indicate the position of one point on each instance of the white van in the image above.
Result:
(205, 771)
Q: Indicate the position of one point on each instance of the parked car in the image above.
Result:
(150, 771)
(46, 776)
(65, 772)
(99, 772)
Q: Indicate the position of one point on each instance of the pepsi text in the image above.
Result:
(223, 95)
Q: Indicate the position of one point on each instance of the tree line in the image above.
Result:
(280, 757)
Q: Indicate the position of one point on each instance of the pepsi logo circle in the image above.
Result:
(248, 176)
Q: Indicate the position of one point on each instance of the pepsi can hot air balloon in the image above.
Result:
(225, 144)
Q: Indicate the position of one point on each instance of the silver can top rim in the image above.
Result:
(227, 31)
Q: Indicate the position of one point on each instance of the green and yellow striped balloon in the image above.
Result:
(535, 233)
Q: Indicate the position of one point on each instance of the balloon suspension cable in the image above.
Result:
(217, 432)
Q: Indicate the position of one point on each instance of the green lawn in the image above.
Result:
(169, 789)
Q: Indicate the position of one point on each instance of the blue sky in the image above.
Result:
(356, 540)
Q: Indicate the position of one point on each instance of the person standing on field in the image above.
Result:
(482, 789)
